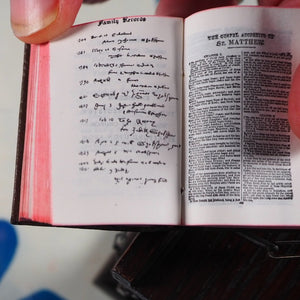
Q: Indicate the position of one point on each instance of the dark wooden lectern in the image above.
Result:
(200, 263)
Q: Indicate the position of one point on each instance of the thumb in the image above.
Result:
(38, 21)
(294, 103)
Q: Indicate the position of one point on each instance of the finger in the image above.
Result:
(38, 21)
(281, 3)
(294, 103)
(184, 8)
(294, 96)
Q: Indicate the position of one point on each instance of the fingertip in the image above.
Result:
(34, 21)
(294, 103)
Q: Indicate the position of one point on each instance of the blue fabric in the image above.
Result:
(8, 246)
(43, 295)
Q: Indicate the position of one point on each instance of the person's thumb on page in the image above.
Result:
(294, 97)
(294, 103)
(38, 21)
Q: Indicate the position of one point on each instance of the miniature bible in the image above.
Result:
(152, 120)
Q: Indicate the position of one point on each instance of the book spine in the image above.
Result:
(20, 137)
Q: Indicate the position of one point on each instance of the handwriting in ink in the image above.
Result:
(125, 104)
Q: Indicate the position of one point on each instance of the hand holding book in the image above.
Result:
(48, 19)
(120, 119)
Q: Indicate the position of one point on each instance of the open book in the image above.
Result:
(153, 120)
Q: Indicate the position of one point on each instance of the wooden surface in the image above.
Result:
(210, 264)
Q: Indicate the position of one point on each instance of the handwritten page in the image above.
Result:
(116, 99)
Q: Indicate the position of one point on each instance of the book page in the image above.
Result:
(242, 160)
(116, 96)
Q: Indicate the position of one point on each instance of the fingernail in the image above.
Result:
(30, 16)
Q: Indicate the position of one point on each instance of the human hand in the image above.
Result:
(38, 21)
(294, 97)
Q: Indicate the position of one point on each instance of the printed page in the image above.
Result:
(116, 96)
(242, 161)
